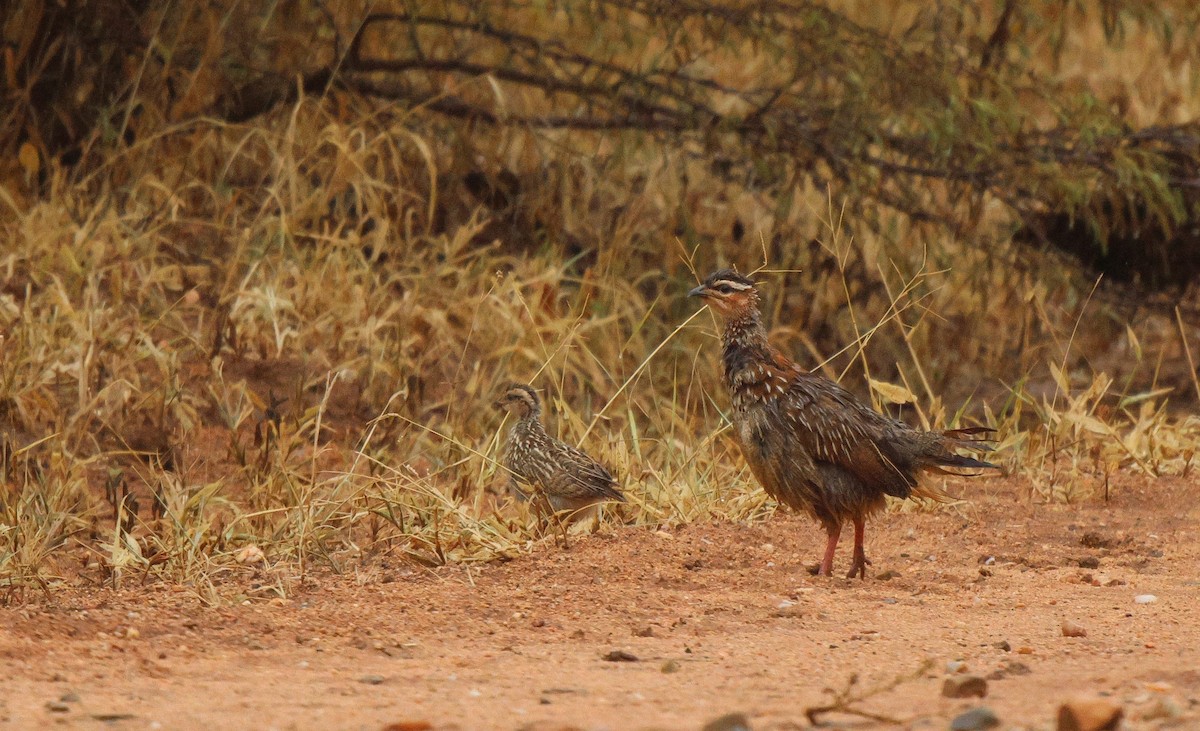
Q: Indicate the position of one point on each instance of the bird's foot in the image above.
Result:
(821, 569)
(859, 566)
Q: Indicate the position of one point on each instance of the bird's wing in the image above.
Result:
(581, 475)
(532, 463)
(833, 426)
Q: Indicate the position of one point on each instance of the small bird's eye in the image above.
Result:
(725, 289)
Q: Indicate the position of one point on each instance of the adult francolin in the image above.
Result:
(810, 443)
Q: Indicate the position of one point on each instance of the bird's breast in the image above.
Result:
(756, 385)
(754, 428)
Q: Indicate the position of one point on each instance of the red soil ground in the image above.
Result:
(721, 618)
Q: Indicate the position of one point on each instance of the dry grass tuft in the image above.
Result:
(233, 353)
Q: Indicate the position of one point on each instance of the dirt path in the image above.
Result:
(720, 617)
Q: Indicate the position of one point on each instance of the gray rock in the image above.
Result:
(1009, 668)
(976, 719)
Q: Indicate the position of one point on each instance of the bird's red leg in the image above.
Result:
(859, 566)
(830, 546)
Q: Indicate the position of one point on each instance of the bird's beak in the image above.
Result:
(700, 291)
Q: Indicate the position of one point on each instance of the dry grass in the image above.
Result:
(235, 352)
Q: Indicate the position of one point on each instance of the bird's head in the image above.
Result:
(731, 295)
(521, 400)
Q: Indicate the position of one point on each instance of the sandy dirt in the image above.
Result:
(720, 618)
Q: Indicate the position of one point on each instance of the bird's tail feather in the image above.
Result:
(973, 438)
(959, 461)
(976, 438)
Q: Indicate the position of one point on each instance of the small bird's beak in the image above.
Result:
(700, 291)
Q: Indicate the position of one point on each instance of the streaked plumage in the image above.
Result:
(808, 441)
(564, 477)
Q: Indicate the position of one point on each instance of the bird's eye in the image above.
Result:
(724, 289)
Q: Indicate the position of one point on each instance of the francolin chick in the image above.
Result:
(808, 441)
(560, 477)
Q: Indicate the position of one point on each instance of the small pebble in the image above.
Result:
(1024, 650)
(249, 553)
(619, 656)
(69, 697)
(1089, 562)
(956, 666)
(976, 719)
(729, 722)
(1071, 629)
(965, 686)
(57, 707)
(1145, 599)
(792, 611)
(1089, 714)
(1003, 645)
(1163, 708)
(1010, 668)
(670, 666)
(371, 679)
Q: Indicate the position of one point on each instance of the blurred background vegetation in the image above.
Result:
(264, 266)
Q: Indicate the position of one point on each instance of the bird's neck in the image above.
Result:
(745, 341)
(530, 422)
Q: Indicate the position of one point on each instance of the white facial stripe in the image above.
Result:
(739, 286)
